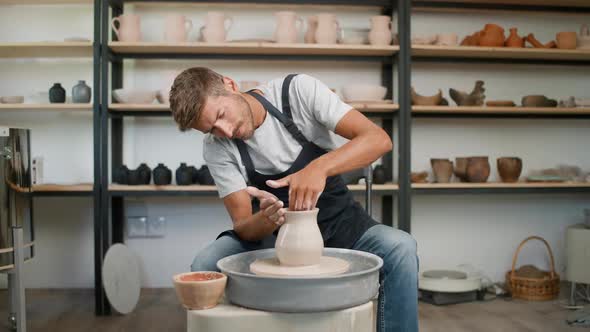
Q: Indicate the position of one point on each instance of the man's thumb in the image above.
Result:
(278, 183)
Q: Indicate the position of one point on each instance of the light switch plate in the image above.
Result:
(136, 227)
(156, 227)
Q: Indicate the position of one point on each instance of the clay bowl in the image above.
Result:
(442, 169)
(478, 169)
(538, 101)
(509, 168)
(500, 103)
(12, 99)
(199, 290)
(418, 177)
(461, 168)
(566, 40)
(363, 92)
(134, 96)
(426, 100)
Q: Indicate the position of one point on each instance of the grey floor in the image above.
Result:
(158, 310)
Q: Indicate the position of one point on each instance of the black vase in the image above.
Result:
(145, 173)
(162, 175)
(134, 177)
(120, 175)
(194, 174)
(205, 177)
(379, 175)
(57, 94)
(353, 176)
(184, 176)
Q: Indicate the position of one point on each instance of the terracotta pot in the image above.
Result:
(566, 40)
(514, 40)
(509, 168)
(199, 290)
(300, 241)
(472, 40)
(492, 35)
(478, 169)
(461, 168)
(442, 169)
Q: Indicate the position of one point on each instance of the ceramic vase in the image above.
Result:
(300, 241)
(492, 35)
(478, 169)
(184, 176)
(380, 33)
(57, 94)
(145, 173)
(288, 27)
(129, 27)
(81, 93)
(442, 169)
(514, 40)
(312, 27)
(162, 175)
(216, 27)
(509, 168)
(177, 28)
(120, 175)
(134, 177)
(327, 31)
(205, 177)
(379, 175)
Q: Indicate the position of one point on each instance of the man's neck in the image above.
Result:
(258, 111)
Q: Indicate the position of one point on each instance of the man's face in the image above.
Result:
(226, 117)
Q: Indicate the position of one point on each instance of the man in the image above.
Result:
(279, 139)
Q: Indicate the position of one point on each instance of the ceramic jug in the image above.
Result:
(177, 28)
(380, 33)
(81, 92)
(300, 241)
(312, 27)
(129, 28)
(57, 94)
(162, 175)
(584, 37)
(327, 30)
(216, 27)
(288, 27)
(514, 40)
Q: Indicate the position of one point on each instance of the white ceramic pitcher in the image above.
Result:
(129, 27)
(288, 27)
(217, 24)
(327, 31)
(300, 241)
(380, 33)
(177, 28)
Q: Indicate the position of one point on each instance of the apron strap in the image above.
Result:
(285, 95)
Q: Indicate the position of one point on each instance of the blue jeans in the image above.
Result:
(398, 292)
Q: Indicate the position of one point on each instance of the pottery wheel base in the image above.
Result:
(272, 267)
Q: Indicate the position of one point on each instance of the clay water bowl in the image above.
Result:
(509, 168)
(199, 290)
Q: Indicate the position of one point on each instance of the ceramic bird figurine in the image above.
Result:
(475, 98)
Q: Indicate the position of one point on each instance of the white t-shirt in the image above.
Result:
(316, 111)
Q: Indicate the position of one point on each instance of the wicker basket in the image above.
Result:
(533, 289)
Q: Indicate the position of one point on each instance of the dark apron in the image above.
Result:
(341, 219)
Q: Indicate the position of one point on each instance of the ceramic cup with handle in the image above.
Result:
(129, 27)
(217, 24)
(177, 28)
(288, 27)
(328, 29)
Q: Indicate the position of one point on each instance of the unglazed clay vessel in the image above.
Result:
(472, 40)
(478, 169)
(419, 177)
(537, 44)
(217, 24)
(538, 101)
(442, 169)
(460, 169)
(566, 40)
(199, 290)
(509, 168)
(492, 35)
(514, 40)
(380, 33)
(129, 27)
(584, 37)
(475, 98)
(312, 27)
(327, 31)
(288, 27)
(500, 103)
(426, 100)
(300, 241)
(177, 28)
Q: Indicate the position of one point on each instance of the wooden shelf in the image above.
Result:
(551, 3)
(251, 48)
(432, 51)
(499, 187)
(81, 189)
(46, 50)
(488, 110)
(363, 107)
(44, 2)
(46, 107)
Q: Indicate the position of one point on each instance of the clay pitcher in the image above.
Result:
(312, 27)
(566, 40)
(442, 169)
(492, 35)
(288, 27)
(509, 168)
(514, 40)
(327, 31)
(380, 33)
(300, 241)
(129, 28)
(478, 169)
(216, 27)
(177, 28)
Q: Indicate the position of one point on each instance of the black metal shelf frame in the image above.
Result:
(385, 4)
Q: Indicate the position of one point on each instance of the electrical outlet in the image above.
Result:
(137, 227)
(156, 227)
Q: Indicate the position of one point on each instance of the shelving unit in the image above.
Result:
(500, 112)
(46, 107)
(501, 188)
(82, 189)
(45, 49)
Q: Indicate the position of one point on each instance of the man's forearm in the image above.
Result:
(255, 227)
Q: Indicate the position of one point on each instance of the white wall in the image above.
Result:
(482, 230)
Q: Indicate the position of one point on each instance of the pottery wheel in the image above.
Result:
(272, 267)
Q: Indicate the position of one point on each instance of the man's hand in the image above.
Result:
(305, 187)
(270, 205)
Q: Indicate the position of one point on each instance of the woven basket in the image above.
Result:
(533, 289)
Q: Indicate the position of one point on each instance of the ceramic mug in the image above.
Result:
(288, 27)
(566, 40)
(129, 27)
(177, 28)
(216, 27)
(327, 30)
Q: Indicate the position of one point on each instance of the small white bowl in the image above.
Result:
(134, 96)
(354, 36)
(363, 92)
(12, 99)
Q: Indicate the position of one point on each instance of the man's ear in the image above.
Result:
(230, 84)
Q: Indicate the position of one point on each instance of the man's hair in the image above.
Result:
(190, 91)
